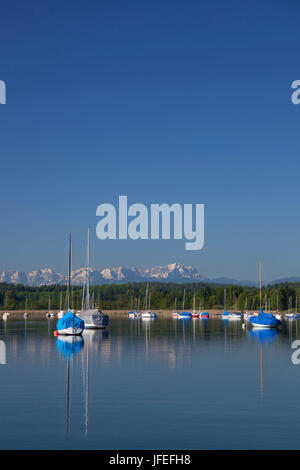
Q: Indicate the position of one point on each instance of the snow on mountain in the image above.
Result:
(175, 272)
(172, 272)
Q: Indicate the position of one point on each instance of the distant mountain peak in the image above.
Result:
(172, 272)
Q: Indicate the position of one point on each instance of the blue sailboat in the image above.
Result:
(225, 315)
(69, 324)
(264, 320)
(184, 314)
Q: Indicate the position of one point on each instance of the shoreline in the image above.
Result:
(214, 313)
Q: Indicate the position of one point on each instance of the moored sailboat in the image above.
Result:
(184, 314)
(26, 314)
(194, 313)
(69, 324)
(264, 320)
(93, 317)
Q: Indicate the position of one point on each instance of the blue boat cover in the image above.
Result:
(185, 314)
(225, 313)
(69, 320)
(267, 319)
(69, 345)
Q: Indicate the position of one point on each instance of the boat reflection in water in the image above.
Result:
(263, 336)
(68, 346)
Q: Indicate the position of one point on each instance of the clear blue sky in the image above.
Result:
(163, 101)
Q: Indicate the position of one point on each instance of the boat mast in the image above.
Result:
(183, 300)
(146, 297)
(69, 270)
(260, 279)
(88, 273)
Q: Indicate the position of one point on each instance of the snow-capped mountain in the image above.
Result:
(174, 272)
(171, 272)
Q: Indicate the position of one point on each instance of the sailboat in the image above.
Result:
(69, 324)
(131, 314)
(291, 316)
(225, 314)
(52, 315)
(175, 313)
(6, 314)
(277, 314)
(264, 320)
(203, 314)
(93, 317)
(147, 313)
(194, 313)
(184, 314)
(26, 315)
(48, 314)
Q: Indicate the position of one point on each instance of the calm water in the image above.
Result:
(164, 384)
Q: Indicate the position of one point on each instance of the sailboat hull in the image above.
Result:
(257, 325)
(94, 319)
(72, 330)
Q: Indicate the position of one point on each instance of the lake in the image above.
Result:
(149, 384)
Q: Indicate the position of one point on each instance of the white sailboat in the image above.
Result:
(175, 313)
(26, 314)
(61, 312)
(147, 313)
(48, 314)
(290, 316)
(6, 314)
(194, 313)
(93, 317)
(277, 314)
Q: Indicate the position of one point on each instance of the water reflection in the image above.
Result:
(68, 346)
(266, 335)
(137, 371)
(263, 336)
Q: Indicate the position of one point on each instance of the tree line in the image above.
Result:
(132, 295)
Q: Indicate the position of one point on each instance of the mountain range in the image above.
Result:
(174, 272)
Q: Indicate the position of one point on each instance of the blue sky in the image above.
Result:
(163, 101)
